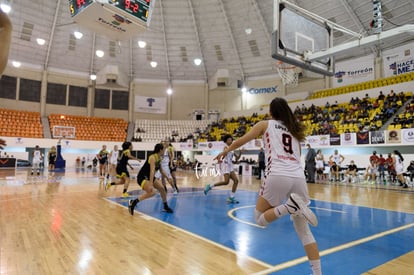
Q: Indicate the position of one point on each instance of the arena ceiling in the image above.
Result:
(216, 31)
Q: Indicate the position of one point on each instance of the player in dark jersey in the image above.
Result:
(51, 156)
(102, 157)
(146, 179)
(122, 170)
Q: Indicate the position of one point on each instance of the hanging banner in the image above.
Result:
(398, 60)
(407, 136)
(348, 138)
(354, 71)
(393, 136)
(156, 105)
(377, 137)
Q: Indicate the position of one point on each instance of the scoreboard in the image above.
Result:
(117, 19)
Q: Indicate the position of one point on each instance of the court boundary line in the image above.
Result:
(231, 211)
(238, 254)
(334, 249)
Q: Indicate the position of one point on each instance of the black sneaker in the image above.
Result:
(131, 206)
(167, 209)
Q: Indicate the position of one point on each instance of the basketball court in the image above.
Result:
(360, 228)
(65, 222)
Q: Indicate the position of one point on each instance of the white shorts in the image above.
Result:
(276, 189)
(226, 168)
(319, 164)
(166, 170)
(399, 170)
(113, 161)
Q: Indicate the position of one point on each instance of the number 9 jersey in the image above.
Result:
(282, 151)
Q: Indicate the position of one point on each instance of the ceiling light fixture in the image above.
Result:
(197, 61)
(248, 31)
(169, 91)
(78, 35)
(244, 89)
(40, 41)
(16, 64)
(142, 44)
(153, 64)
(100, 53)
(93, 77)
(5, 8)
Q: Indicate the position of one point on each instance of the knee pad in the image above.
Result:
(260, 219)
(257, 215)
(302, 230)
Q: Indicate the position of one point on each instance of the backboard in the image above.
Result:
(296, 32)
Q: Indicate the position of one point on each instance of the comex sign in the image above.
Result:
(268, 90)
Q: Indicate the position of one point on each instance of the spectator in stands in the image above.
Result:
(5, 38)
(351, 172)
(310, 165)
(335, 161)
(381, 96)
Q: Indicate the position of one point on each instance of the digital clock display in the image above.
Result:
(138, 8)
(77, 6)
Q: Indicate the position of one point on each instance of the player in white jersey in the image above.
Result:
(335, 162)
(37, 160)
(284, 178)
(227, 170)
(399, 168)
(166, 161)
(113, 161)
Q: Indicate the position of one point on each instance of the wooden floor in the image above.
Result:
(62, 225)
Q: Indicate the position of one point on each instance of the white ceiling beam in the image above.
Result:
(198, 38)
(262, 22)
(52, 34)
(233, 42)
(363, 42)
(357, 22)
(92, 66)
(165, 43)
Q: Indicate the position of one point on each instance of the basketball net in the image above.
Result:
(287, 73)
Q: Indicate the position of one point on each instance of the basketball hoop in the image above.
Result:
(287, 73)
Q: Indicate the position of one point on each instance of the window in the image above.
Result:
(120, 100)
(8, 87)
(56, 94)
(102, 98)
(29, 90)
(78, 96)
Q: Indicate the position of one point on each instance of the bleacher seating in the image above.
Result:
(363, 85)
(157, 130)
(92, 128)
(15, 123)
